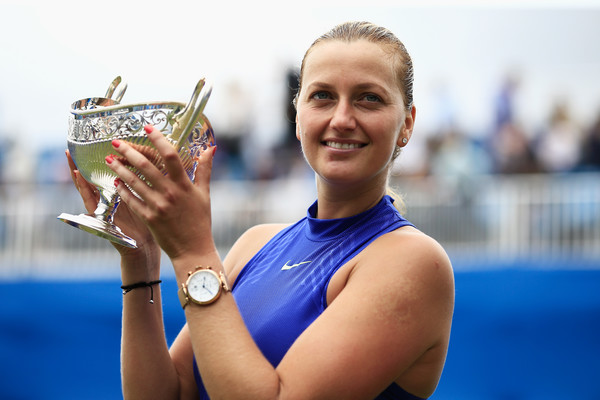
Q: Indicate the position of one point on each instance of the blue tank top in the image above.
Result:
(283, 288)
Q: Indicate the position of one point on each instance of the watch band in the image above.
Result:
(182, 294)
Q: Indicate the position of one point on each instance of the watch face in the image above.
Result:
(204, 286)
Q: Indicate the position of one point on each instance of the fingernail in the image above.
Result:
(108, 159)
(117, 182)
(115, 143)
(214, 150)
(148, 128)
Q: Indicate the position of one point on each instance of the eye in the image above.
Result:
(320, 96)
(373, 98)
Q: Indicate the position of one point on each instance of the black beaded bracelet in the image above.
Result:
(129, 288)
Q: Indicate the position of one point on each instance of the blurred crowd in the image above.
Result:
(561, 145)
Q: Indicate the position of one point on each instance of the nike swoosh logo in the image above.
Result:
(286, 266)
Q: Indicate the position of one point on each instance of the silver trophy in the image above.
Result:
(95, 122)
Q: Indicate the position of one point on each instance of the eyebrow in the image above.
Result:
(360, 86)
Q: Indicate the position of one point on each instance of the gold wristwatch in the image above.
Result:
(203, 287)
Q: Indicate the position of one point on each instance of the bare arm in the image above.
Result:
(146, 368)
(241, 252)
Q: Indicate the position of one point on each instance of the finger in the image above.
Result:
(144, 159)
(72, 165)
(204, 168)
(126, 175)
(72, 168)
(132, 201)
(86, 191)
(168, 153)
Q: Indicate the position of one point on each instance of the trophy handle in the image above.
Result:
(187, 118)
(120, 92)
(111, 89)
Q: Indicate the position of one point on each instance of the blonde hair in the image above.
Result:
(361, 30)
(398, 199)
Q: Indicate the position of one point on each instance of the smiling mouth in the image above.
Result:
(343, 146)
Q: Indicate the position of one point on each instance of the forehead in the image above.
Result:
(364, 59)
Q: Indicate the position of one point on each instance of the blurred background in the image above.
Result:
(503, 169)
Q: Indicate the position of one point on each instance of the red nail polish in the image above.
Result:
(108, 159)
(115, 143)
(117, 182)
(214, 150)
(148, 128)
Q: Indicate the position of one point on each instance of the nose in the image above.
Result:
(343, 118)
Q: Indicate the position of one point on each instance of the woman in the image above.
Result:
(351, 302)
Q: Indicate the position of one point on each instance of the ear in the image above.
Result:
(407, 128)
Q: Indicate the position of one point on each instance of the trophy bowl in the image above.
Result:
(96, 121)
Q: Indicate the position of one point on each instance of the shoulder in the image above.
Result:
(416, 255)
(412, 268)
(409, 249)
(247, 245)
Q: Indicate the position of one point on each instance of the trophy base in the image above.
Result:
(99, 228)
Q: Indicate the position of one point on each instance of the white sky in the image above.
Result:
(55, 52)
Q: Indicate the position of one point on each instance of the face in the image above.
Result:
(350, 112)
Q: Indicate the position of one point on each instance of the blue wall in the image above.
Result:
(517, 334)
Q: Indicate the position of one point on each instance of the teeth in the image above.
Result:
(337, 145)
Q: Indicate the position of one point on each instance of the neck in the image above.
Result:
(346, 202)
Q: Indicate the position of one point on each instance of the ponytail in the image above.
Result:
(398, 200)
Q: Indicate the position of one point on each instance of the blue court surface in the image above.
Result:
(518, 333)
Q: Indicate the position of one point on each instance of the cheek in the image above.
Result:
(307, 152)
(305, 146)
(389, 136)
(310, 120)
(305, 131)
(300, 124)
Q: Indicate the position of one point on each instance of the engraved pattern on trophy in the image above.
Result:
(94, 122)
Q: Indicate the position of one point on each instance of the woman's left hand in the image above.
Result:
(175, 209)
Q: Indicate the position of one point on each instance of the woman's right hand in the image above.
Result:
(124, 218)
